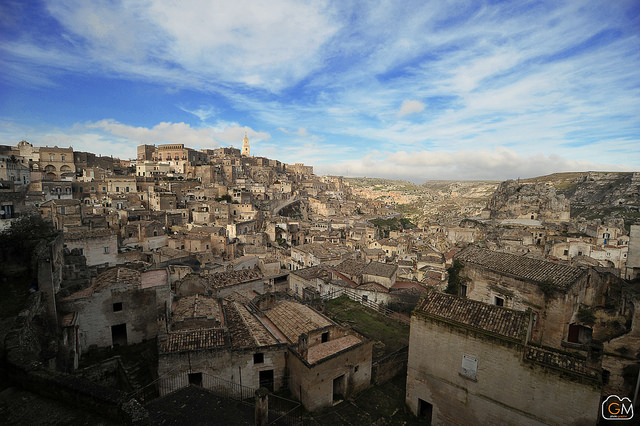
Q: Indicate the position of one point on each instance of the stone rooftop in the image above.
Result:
(562, 276)
(230, 278)
(293, 319)
(118, 275)
(324, 250)
(481, 316)
(350, 266)
(257, 330)
(326, 349)
(197, 307)
(380, 269)
(318, 271)
(193, 340)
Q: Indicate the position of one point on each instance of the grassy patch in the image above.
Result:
(392, 334)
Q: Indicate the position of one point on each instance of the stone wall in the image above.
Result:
(504, 389)
(232, 366)
(313, 385)
(27, 360)
(97, 314)
(554, 311)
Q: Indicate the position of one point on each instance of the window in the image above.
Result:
(117, 189)
(51, 157)
(117, 307)
(365, 298)
(127, 189)
(106, 249)
(566, 252)
(258, 358)
(498, 301)
(463, 290)
(81, 250)
(63, 210)
(62, 158)
(104, 189)
(579, 253)
(325, 337)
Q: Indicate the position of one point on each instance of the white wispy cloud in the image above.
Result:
(498, 164)
(410, 107)
(537, 84)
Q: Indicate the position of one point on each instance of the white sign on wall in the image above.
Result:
(469, 366)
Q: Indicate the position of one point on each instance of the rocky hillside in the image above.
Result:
(530, 200)
(598, 195)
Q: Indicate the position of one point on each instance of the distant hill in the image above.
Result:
(598, 195)
(593, 195)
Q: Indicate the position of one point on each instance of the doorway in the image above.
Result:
(266, 379)
(338, 389)
(425, 410)
(119, 334)
(195, 379)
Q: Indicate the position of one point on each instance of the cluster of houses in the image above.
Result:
(215, 254)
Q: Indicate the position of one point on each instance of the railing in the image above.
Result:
(561, 361)
(282, 411)
(380, 308)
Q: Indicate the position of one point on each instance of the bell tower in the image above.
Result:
(245, 146)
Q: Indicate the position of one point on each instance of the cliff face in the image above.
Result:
(599, 195)
(607, 196)
(516, 200)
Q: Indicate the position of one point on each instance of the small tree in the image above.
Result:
(455, 278)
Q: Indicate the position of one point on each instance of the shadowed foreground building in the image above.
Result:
(277, 344)
(471, 363)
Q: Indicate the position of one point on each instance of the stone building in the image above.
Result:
(236, 344)
(554, 292)
(326, 363)
(247, 282)
(632, 267)
(98, 246)
(246, 152)
(147, 234)
(471, 363)
(56, 162)
(64, 214)
(120, 307)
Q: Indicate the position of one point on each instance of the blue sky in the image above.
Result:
(400, 89)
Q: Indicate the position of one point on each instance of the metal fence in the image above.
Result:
(282, 411)
(380, 308)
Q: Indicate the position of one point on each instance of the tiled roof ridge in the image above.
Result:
(496, 320)
(560, 275)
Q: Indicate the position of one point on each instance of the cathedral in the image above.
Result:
(245, 146)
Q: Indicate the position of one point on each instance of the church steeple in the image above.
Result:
(245, 146)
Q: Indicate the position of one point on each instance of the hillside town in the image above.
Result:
(518, 312)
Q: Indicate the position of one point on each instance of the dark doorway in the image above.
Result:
(425, 410)
(119, 334)
(195, 379)
(338, 389)
(266, 379)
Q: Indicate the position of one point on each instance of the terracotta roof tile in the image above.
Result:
(193, 340)
(562, 276)
(380, 269)
(489, 318)
(293, 319)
